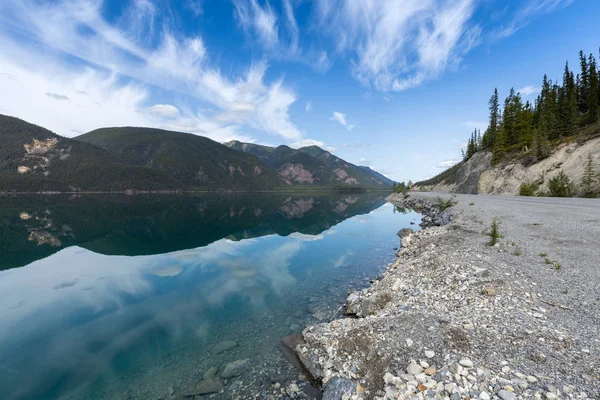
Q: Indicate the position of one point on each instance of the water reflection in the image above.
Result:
(137, 291)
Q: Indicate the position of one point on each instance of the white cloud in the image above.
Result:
(41, 42)
(526, 11)
(164, 110)
(528, 90)
(398, 45)
(311, 142)
(363, 161)
(341, 118)
(447, 164)
(308, 106)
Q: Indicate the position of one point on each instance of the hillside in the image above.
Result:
(313, 166)
(195, 161)
(547, 147)
(35, 159)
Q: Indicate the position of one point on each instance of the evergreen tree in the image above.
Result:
(592, 100)
(589, 181)
(567, 104)
(489, 136)
(583, 86)
(499, 149)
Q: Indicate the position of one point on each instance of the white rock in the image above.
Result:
(551, 396)
(484, 396)
(429, 353)
(465, 362)
(409, 342)
(531, 379)
(414, 368)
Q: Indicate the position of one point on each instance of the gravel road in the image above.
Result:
(568, 231)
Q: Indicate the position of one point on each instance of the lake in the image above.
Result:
(137, 297)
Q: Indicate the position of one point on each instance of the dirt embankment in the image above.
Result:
(477, 175)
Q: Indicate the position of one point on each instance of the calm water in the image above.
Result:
(105, 297)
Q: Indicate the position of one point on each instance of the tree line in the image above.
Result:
(561, 110)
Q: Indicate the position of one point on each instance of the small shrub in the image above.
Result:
(471, 203)
(561, 186)
(528, 189)
(445, 204)
(517, 252)
(494, 232)
(556, 265)
(543, 254)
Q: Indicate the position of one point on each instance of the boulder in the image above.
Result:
(224, 346)
(206, 387)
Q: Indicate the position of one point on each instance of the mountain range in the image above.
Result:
(34, 159)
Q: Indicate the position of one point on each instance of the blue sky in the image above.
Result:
(397, 85)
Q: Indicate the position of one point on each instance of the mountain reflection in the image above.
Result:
(135, 292)
(32, 228)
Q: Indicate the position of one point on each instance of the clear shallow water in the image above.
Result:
(105, 297)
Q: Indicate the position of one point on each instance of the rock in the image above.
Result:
(414, 368)
(224, 346)
(405, 241)
(405, 232)
(430, 371)
(484, 396)
(211, 373)
(207, 386)
(488, 291)
(234, 369)
(170, 390)
(455, 368)
(480, 272)
(429, 353)
(465, 362)
(409, 342)
(337, 388)
(531, 379)
(551, 396)
(312, 367)
(506, 395)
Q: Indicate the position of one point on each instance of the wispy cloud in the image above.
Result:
(399, 45)
(528, 90)
(212, 104)
(526, 11)
(308, 106)
(341, 118)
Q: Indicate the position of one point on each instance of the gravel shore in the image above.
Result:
(455, 318)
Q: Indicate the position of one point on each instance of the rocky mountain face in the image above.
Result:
(313, 165)
(477, 175)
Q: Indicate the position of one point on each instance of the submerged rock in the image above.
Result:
(224, 346)
(206, 387)
(234, 369)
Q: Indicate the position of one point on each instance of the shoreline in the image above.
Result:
(452, 318)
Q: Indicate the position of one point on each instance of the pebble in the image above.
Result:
(465, 362)
(506, 395)
(531, 379)
(409, 342)
(429, 354)
(414, 368)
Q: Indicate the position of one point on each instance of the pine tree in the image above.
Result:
(567, 104)
(499, 149)
(489, 136)
(592, 100)
(589, 181)
(583, 86)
